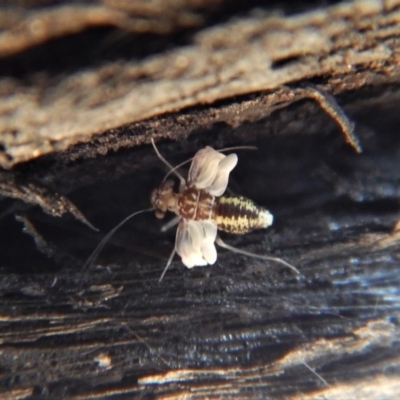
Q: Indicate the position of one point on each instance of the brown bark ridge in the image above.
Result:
(242, 328)
(346, 46)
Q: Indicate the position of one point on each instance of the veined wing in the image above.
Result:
(210, 170)
(195, 242)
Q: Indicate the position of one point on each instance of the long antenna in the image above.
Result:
(181, 178)
(106, 238)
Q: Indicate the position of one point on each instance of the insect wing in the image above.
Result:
(195, 242)
(210, 170)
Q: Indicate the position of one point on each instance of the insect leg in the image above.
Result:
(170, 224)
(222, 244)
(168, 264)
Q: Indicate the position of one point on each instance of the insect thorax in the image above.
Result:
(196, 204)
(240, 215)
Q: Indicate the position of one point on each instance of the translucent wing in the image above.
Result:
(195, 242)
(210, 170)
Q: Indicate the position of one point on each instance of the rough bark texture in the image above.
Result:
(345, 47)
(242, 328)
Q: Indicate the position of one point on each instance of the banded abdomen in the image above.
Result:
(240, 215)
(236, 214)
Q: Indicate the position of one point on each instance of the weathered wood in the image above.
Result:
(50, 112)
(241, 328)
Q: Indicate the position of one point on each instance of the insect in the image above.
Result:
(201, 210)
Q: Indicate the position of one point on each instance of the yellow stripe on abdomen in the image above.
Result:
(240, 215)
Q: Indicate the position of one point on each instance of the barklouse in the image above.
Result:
(201, 210)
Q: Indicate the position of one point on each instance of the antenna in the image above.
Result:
(106, 238)
(172, 169)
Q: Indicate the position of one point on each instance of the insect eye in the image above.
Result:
(159, 214)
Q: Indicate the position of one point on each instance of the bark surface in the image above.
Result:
(84, 87)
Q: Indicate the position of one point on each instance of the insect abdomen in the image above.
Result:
(240, 215)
